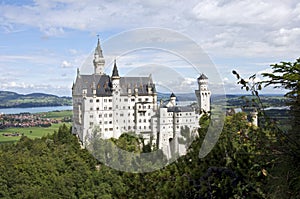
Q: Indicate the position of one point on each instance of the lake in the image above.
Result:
(34, 109)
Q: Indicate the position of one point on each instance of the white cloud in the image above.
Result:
(227, 29)
(66, 64)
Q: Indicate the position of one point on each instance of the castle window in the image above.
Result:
(146, 99)
(140, 120)
(97, 100)
(91, 100)
(105, 115)
(128, 107)
(140, 99)
(125, 100)
(109, 108)
(91, 116)
(105, 122)
(144, 127)
(110, 115)
(105, 100)
(100, 122)
(91, 123)
(144, 120)
(149, 106)
(105, 108)
(128, 114)
(121, 114)
(123, 107)
(105, 129)
(132, 99)
(110, 122)
(109, 100)
(129, 127)
(97, 108)
(91, 108)
(111, 129)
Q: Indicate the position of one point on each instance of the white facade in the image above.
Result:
(115, 105)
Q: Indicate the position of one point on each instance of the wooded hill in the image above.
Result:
(14, 100)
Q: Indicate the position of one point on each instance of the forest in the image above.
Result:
(247, 161)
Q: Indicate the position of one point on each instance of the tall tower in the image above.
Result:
(203, 94)
(98, 60)
(115, 80)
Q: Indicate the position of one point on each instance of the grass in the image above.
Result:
(31, 132)
(57, 114)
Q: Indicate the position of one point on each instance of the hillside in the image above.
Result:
(14, 100)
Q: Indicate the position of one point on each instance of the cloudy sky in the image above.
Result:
(42, 42)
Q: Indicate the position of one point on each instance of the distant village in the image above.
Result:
(24, 120)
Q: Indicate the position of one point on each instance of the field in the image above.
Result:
(31, 132)
(57, 114)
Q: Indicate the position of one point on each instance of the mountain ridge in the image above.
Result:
(9, 99)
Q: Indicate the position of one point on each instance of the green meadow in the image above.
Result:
(57, 114)
(30, 132)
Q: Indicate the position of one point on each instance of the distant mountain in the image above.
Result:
(14, 100)
(179, 96)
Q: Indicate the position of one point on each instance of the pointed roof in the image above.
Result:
(98, 49)
(115, 72)
(202, 76)
(172, 95)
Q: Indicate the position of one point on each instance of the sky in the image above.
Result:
(43, 42)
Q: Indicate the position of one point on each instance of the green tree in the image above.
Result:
(285, 174)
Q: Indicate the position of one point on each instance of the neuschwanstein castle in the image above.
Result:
(116, 105)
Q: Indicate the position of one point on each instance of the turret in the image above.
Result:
(99, 61)
(173, 99)
(202, 82)
(203, 94)
(115, 79)
(254, 117)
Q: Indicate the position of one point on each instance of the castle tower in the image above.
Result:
(203, 94)
(115, 79)
(99, 61)
(254, 117)
(173, 99)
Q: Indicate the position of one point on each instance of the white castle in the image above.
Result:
(116, 105)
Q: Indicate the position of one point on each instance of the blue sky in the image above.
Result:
(42, 42)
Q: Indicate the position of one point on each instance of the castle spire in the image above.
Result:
(98, 50)
(115, 72)
(99, 61)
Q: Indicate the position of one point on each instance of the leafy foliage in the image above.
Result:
(284, 180)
